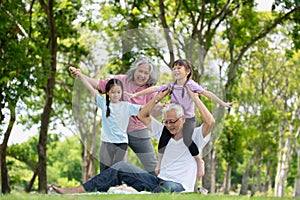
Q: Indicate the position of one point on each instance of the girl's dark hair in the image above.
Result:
(187, 65)
(112, 82)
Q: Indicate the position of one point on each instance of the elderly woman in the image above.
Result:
(141, 75)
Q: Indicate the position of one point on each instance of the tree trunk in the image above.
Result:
(88, 164)
(296, 193)
(3, 147)
(166, 28)
(84, 160)
(89, 151)
(258, 178)
(283, 164)
(244, 187)
(208, 153)
(213, 172)
(253, 187)
(206, 179)
(227, 179)
(5, 186)
(200, 68)
(45, 117)
(91, 169)
(30, 184)
(268, 180)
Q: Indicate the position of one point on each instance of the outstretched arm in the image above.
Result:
(204, 112)
(144, 114)
(148, 90)
(216, 99)
(85, 80)
(92, 81)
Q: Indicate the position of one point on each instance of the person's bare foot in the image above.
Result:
(59, 190)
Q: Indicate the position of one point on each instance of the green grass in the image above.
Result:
(191, 196)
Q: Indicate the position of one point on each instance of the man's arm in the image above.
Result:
(144, 114)
(204, 112)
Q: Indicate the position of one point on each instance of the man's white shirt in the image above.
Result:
(178, 165)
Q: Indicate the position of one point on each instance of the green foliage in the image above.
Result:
(262, 108)
(65, 162)
(19, 173)
(15, 63)
(70, 53)
(63, 165)
(25, 152)
(231, 141)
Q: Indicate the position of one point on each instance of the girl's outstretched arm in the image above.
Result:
(216, 99)
(85, 80)
(148, 90)
(92, 81)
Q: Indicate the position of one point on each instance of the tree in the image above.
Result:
(288, 103)
(16, 81)
(54, 58)
(232, 149)
(49, 64)
(262, 93)
(36, 69)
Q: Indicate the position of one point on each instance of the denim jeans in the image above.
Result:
(140, 180)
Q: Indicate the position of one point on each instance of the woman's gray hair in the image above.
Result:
(175, 107)
(153, 70)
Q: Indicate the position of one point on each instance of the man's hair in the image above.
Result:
(153, 70)
(175, 107)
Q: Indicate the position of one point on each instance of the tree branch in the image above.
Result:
(255, 39)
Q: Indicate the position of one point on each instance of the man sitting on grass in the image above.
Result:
(178, 167)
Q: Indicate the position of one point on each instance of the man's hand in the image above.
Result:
(160, 95)
(192, 94)
(144, 114)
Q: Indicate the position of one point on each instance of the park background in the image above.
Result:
(238, 52)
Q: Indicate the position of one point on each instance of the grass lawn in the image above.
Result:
(93, 196)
